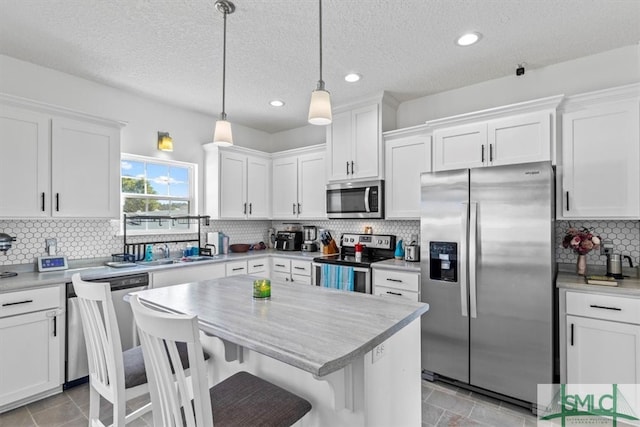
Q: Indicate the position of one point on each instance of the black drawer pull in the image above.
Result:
(279, 265)
(237, 268)
(572, 334)
(394, 293)
(394, 280)
(567, 201)
(7, 304)
(258, 265)
(42, 202)
(605, 308)
(299, 268)
(57, 202)
(55, 326)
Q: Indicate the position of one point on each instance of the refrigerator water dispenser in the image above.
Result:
(443, 261)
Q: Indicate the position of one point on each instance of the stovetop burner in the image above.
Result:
(377, 247)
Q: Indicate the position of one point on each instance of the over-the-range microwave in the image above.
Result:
(364, 199)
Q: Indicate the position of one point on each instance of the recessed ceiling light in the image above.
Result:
(468, 39)
(276, 103)
(352, 77)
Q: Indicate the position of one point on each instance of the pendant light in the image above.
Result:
(222, 134)
(320, 107)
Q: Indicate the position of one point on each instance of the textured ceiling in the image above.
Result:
(172, 49)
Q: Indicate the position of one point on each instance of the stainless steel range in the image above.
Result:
(374, 247)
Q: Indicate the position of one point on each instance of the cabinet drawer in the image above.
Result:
(278, 276)
(281, 264)
(30, 300)
(397, 279)
(300, 279)
(393, 292)
(235, 268)
(608, 307)
(300, 267)
(257, 265)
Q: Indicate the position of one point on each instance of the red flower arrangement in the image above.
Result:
(581, 241)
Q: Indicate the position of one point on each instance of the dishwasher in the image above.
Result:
(76, 364)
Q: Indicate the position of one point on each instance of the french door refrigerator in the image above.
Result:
(487, 273)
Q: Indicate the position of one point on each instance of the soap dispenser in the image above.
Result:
(399, 254)
(148, 254)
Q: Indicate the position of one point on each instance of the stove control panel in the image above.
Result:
(372, 241)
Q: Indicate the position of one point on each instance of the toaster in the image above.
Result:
(289, 240)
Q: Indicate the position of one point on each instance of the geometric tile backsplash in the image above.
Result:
(99, 238)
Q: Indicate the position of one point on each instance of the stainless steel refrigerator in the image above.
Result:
(487, 273)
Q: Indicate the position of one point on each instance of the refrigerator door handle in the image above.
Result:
(473, 248)
(463, 260)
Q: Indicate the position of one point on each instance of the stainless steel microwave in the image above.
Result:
(363, 199)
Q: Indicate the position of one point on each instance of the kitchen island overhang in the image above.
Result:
(355, 357)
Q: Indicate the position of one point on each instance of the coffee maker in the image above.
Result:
(309, 235)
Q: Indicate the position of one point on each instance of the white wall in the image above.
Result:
(145, 117)
(608, 69)
(298, 137)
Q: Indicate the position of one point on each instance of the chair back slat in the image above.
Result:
(101, 334)
(159, 333)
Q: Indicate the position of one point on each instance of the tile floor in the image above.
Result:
(442, 405)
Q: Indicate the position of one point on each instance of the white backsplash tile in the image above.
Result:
(99, 238)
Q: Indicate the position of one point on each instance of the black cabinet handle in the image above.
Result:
(258, 265)
(567, 200)
(482, 153)
(7, 304)
(491, 152)
(352, 172)
(394, 280)
(57, 202)
(572, 334)
(244, 211)
(42, 202)
(298, 268)
(279, 265)
(347, 168)
(55, 326)
(394, 293)
(294, 208)
(237, 269)
(605, 308)
(250, 208)
(298, 208)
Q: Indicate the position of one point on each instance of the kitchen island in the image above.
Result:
(355, 357)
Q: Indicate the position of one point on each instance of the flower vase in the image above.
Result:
(581, 265)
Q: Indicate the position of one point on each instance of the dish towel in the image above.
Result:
(338, 277)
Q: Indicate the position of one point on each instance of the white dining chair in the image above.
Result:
(240, 400)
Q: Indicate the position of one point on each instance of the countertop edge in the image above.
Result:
(626, 287)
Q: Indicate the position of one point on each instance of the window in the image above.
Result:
(152, 186)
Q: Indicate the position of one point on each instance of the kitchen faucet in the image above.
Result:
(166, 253)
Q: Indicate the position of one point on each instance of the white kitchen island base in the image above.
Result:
(385, 392)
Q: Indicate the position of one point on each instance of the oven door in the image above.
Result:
(361, 282)
(357, 200)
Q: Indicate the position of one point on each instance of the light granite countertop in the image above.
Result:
(397, 264)
(629, 286)
(95, 269)
(315, 329)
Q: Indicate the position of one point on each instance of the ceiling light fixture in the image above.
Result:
(165, 142)
(320, 106)
(276, 103)
(352, 77)
(468, 39)
(222, 134)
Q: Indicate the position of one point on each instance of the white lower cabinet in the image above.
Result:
(236, 268)
(31, 343)
(395, 283)
(174, 276)
(602, 339)
(258, 265)
(291, 270)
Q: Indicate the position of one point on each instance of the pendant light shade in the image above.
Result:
(222, 135)
(320, 106)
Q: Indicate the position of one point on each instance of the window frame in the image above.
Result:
(192, 200)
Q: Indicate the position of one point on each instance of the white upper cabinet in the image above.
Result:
(600, 172)
(237, 183)
(518, 133)
(67, 165)
(407, 155)
(354, 139)
(299, 184)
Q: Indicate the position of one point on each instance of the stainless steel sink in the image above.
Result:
(161, 261)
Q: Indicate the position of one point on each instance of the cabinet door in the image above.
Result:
(175, 276)
(285, 187)
(24, 161)
(602, 352)
(311, 186)
(339, 141)
(520, 139)
(233, 185)
(30, 360)
(601, 162)
(258, 188)
(405, 160)
(85, 169)
(366, 142)
(460, 147)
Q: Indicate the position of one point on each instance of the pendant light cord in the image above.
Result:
(320, 13)
(224, 61)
